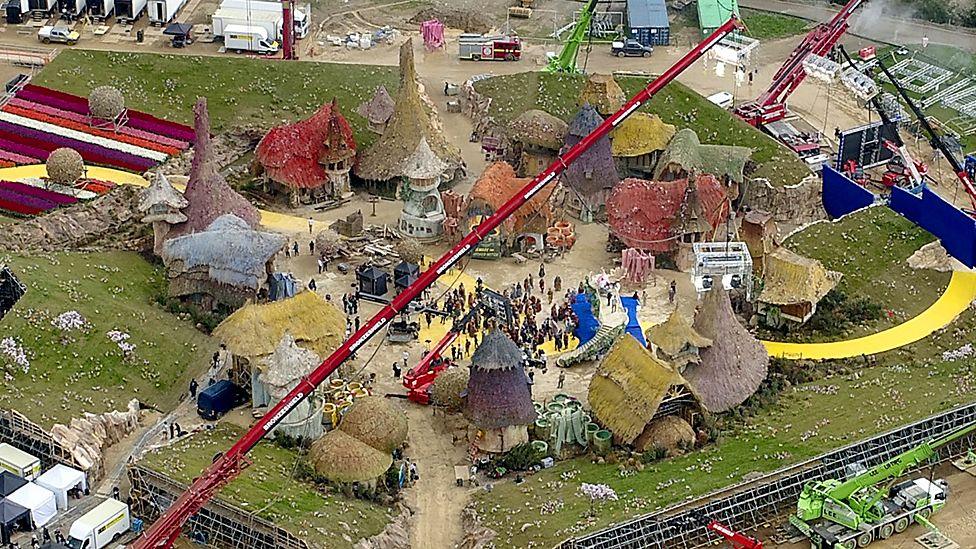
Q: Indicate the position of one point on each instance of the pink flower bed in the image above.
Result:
(93, 154)
(84, 119)
(36, 192)
(23, 204)
(17, 158)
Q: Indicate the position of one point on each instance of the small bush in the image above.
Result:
(521, 457)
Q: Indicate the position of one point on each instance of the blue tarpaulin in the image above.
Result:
(954, 228)
(842, 196)
(588, 324)
(633, 327)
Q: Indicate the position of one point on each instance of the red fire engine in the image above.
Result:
(477, 47)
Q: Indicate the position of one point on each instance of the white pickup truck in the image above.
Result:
(63, 35)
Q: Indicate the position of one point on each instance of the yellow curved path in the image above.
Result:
(957, 298)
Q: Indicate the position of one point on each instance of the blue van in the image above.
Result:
(219, 398)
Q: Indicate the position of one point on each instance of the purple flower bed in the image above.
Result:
(31, 202)
(73, 103)
(84, 119)
(17, 158)
(44, 194)
(92, 153)
(22, 149)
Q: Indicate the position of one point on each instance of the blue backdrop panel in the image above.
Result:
(588, 324)
(633, 327)
(907, 204)
(842, 196)
(954, 229)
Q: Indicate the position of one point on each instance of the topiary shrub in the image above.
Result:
(106, 102)
(65, 166)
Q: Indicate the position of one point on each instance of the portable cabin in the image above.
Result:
(101, 9)
(45, 6)
(14, 11)
(128, 11)
(647, 22)
(71, 9)
(712, 14)
(163, 11)
(19, 462)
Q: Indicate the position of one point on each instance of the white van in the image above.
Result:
(102, 525)
(722, 99)
(19, 462)
(249, 38)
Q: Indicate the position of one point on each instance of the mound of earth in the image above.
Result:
(467, 21)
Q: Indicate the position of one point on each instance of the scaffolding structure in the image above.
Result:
(218, 524)
(727, 262)
(918, 76)
(20, 432)
(750, 504)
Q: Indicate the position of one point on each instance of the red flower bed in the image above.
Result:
(14, 202)
(37, 192)
(84, 128)
(97, 186)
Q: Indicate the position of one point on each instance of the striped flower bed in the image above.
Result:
(44, 194)
(39, 120)
(20, 204)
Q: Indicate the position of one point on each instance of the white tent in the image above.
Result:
(40, 502)
(61, 478)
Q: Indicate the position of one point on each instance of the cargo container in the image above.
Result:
(163, 11)
(127, 11)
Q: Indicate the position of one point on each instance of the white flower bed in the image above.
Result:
(965, 351)
(122, 340)
(68, 321)
(15, 352)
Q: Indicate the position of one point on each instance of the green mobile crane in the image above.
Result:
(566, 60)
(849, 514)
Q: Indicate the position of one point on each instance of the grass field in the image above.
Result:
(763, 25)
(870, 248)
(675, 104)
(239, 91)
(83, 370)
(809, 419)
(268, 488)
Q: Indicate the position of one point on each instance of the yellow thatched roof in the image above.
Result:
(604, 93)
(641, 134)
(673, 334)
(628, 388)
(790, 278)
(376, 422)
(255, 329)
(340, 457)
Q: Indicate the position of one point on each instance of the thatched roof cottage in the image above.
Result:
(281, 372)
(535, 138)
(378, 110)
(686, 156)
(225, 265)
(604, 93)
(498, 401)
(161, 205)
(792, 286)
(375, 421)
(735, 364)
(590, 177)
(343, 459)
(422, 217)
(637, 143)
(676, 342)
(527, 225)
(631, 388)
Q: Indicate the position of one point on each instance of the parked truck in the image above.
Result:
(265, 14)
(50, 34)
(162, 12)
(97, 528)
(128, 11)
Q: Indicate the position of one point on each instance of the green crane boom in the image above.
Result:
(855, 500)
(566, 60)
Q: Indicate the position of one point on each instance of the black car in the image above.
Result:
(630, 48)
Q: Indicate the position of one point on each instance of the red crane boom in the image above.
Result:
(163, 532)
(771, 105)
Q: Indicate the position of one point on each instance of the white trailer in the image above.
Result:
(101, 9)
(301, 17)
(233, 17)
(97, 528)
(127, 11)
(71, 9)
(162, 12)
(241, 38)
(19, 462)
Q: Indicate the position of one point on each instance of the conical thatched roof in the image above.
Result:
(256, 329)
(232, 251)
(448, 388)
(412, 121)
(379, 108)
(640, 134)
(538, 128)
(423, 163)
(207, 192)
(734, 366)
(687, 151)
(789, 278)
(604, 93)
(340, 457)
(158, 201)
(674, 334)
(628, 388)
(498, 391)
(288, 363)
(594, 172)
(376, 422)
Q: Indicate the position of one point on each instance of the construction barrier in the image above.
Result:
(751, 504)
(954, 228)
(842, 196)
